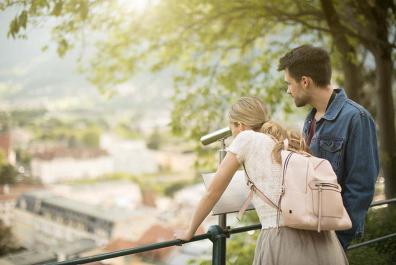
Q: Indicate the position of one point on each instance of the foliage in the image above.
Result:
(23, 157)
(146, 182)
(26, 118)
(379, 222)
(126, 131)
(154, 140)
(7, 241)
(240, 248)
(4, 121)
(170, 188)
(8, 173)
(72, 133)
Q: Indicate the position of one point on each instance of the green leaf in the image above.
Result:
(83, 6)
(63, 47)
(23, 19)
(57, 11)
(14, 28)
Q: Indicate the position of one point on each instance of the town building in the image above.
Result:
(65, 164)
(45, 219)
(55, 253)
(129, 156)
(8, 199)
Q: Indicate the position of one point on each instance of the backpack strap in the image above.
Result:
(253, 189)
(285, 164)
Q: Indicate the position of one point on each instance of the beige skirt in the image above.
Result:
(294, 247)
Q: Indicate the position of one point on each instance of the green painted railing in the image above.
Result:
(215, 234)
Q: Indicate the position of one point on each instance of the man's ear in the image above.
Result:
(305, 81)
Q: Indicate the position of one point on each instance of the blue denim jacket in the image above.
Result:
(346, 136)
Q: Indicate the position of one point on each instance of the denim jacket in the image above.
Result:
(346, 136)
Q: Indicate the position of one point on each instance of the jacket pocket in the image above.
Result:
(331, 150)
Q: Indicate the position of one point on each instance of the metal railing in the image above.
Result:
(215, 234)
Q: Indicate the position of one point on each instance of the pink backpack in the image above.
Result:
(310, 194)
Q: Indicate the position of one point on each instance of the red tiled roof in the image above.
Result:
(7, 197)
(155, 234)
(16, 190)
(119, 244)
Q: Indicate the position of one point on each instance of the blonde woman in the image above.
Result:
(257, 144)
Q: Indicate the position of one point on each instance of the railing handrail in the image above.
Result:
(382, 202)
(130, 251)
(211, 234)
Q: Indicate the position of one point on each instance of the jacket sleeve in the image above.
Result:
(362, 168)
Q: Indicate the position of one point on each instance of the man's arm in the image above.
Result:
(361, 168)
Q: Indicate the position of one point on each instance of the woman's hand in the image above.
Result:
(185, 235)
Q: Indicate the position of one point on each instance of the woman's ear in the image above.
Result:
(242, 126)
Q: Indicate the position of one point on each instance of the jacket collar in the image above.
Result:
(334, 108)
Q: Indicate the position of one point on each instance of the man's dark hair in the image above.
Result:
(307, 60)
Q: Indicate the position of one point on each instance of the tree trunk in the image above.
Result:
(382, 51)
(353, 76)
(386, 119)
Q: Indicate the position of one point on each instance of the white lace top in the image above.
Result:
(254, 149)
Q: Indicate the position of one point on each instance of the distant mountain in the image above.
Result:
(30, 78)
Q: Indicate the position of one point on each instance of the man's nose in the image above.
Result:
(288, 91)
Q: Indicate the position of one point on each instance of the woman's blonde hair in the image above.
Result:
(252, 112)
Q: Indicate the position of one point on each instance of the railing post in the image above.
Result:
(218, 237)
(219, 246)
(222, 221)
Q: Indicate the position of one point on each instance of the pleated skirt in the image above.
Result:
(298, 247)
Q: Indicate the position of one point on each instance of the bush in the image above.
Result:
(379, 222)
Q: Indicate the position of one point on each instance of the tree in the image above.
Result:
(8, 173)
(154, 140)
(220, 50)
(7, 241)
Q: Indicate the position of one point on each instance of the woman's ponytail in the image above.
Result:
(296, 142)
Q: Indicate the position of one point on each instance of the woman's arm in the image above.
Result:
(222, 178)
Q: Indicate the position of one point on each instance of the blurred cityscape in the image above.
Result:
(82, 173)
(79, 189)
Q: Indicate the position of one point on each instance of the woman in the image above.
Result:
(257, 145)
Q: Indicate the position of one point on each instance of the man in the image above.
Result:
(337, 129)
